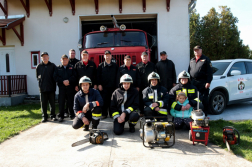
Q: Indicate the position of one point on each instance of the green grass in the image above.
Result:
(15, 119)
(244, 149)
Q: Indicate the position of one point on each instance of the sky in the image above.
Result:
(240, 9)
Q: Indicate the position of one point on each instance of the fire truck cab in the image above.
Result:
(119, 41)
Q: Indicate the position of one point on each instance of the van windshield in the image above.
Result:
(219, 67)
(115, 39)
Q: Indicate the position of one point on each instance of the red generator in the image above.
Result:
(199, 133)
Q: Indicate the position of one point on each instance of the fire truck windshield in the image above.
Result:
(115, 39)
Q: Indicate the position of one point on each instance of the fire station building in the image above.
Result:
(30, 27)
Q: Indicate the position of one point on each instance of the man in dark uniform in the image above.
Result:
(127, 68)
(201, 75)
(72, 59)
(106, 80)
(155, 98)
(87, 105)
(65, 77)
(87, 68)
(47, 86)
(124, 105)
(166, 69)
(144, 68)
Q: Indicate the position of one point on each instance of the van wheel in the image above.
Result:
(217, 102)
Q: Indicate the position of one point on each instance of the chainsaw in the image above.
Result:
(229, 136)
(95, 137)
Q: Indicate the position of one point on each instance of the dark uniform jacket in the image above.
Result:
(189, 89)
(201, 71)
(133, 72)
(83, 70)
(73, 61)
(44, 74)
(144, 71)
(156, 94)
(61, 74)
(106, 75)
(124, 101)
(93, 97)
(167, 72)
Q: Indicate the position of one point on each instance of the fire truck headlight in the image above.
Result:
(122, 27)
(103, 28)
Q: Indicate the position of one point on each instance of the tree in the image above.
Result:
(218, 35)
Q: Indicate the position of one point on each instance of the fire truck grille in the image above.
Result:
(119, 59)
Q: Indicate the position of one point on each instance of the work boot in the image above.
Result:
(44, 120)
(86, 128)
(61, 119)
(54, 119)
(66, 115)
(72, 117)
(94, 127)
(132, 129)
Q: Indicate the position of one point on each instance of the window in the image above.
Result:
(219, 67)
(35, 59)
(7, 58)
(249, 66)
(238, 66)
(115, 39)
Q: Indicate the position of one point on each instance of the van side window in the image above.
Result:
(249, 66)
(238, 66)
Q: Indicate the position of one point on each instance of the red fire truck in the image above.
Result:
(119, 41)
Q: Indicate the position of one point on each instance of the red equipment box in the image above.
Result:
(199, 133)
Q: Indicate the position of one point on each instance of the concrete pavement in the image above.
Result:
(49, 145)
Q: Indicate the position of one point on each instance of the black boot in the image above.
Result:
(132, 129)
(86, 128)
(44, 120)
(95, 123)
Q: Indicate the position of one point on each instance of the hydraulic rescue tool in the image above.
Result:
(95, 137)
(229, 136)
(157, 133)
(199, 128)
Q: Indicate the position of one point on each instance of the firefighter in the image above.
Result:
(190, 91)
(127, 68)
(144, 68)
(87, 105)
(201, 75)
(87, 68)
(72, 61)
(106, 80)
(124, 103)
(65, 77)
(155, 98)
(166, 69)
(47, 86)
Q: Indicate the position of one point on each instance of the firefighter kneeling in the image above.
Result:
(124, 102)
(87, 105)
(155, 98)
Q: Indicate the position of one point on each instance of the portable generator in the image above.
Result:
(229, 136)
(199, 128)
(157, 133)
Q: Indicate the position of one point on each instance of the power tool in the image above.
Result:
(229, 136)
(157, 133)
(95, 137)
(199, 128)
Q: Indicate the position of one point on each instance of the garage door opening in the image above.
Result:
(149, 25)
